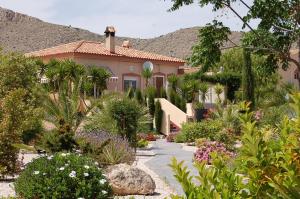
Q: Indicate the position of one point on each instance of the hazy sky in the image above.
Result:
(132, 18)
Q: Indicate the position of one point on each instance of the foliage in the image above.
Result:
(105, 148)
(16, 116)
(203, 153)
(173, 81)
(98, 77)
(267, 165)
(142, 143)
(198, 105)
(207, 51)
(190, 89)
(219, 90)
(151, 92)
(158, 116)
(180, 138)
(216, 181)
(203, 129)
(203, 87)
(147, 74)
(139, 96)
(63, 175)
(248, 79)
(126, 114)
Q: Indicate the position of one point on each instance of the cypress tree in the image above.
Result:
(248, 79)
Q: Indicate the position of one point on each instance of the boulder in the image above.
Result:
(129, 180)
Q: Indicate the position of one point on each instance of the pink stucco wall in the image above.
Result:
(122, 67)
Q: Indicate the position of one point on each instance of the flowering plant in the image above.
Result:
(203, 154)
(62, 174)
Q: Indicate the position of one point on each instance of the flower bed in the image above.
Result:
(62, 174)
(203, 154)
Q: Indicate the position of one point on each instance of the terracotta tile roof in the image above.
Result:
(96, 48)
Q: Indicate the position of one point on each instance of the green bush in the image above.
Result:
(139, 96)
(55, 141)
(180, 138)
(63, 175)
(142, 143)
(204, 129)
(158, 116)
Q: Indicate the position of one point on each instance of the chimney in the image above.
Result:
(126, 44)
(110, 38)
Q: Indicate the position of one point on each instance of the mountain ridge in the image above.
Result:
(23, 33)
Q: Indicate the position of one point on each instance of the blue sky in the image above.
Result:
(132, 18)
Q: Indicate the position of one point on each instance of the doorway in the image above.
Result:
(159, 82)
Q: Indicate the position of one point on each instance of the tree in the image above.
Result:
(126, 113)
(278, 29)
(147, 74)
(248, 79)
(219, 90)
(173, 81)
(98, 76)
(203, 87)
(158, 116)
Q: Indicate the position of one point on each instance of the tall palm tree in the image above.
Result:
(98, 76)
(147, 74)
(173, 81)
(74, 72)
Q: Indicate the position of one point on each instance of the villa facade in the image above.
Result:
(124, 63)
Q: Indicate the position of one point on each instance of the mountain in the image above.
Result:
(22, 33)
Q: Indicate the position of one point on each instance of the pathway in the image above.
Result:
(164, 153)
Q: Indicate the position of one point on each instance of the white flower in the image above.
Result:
(102, 181)
(63, 154)
(86, 174)
(72, 174)
(44, 174)
(96, 163)
(36, 172)
(80, 198)
(66, 165)
(86, 166)
(62, 168)
(104, 192)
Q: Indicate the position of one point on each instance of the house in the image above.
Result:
(125, 63)
(292, 74)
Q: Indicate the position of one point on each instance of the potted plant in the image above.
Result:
(200, 111)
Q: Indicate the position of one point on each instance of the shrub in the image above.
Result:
(200, 141)
(158, 116)
(126, 113)
(56, 141)
(171, 137)
(106, 148)
(204, 129)
(142, 143)
(139, 96)
(203, 154)
(180, 138)
(147, 136)
(62, 176)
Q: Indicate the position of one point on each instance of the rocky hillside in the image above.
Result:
(19, 32)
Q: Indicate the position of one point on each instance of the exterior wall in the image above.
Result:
(122, 68)
(288, 76)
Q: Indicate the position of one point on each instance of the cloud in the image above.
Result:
(133, 18)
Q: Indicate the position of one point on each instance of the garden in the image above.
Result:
(81, 137)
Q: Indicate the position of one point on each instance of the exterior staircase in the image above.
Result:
(173, 117)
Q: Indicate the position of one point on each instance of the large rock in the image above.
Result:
(129, 180)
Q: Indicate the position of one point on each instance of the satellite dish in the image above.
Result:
(148, 65)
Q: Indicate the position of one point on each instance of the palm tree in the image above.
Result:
(74, 72)
(98, 76)
(173, 81)
(203, 87)
(147, 74)
(219, 90)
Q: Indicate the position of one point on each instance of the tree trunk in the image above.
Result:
(248, 79)
(298, 66)
(95, 90)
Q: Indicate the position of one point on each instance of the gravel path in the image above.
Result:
(164, 153)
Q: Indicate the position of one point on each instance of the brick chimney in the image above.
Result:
(110, 39)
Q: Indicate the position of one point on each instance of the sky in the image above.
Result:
(131, 18)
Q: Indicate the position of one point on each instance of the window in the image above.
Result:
(130, 82)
